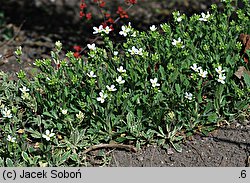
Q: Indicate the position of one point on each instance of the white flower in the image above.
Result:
(91, 46)
(195, 68)
(134, 34)
(139, 52)
(189, 96)
(154, 82)
(133, 51)
(120, 69)
(11, 139)
(153, 28)
(204, 17)
(111, 88)
(91, 74)
(107, 30)
(116, 53)
(6, 113)
(80, 115)
(203, 73)
(48, 135)
(102, 97)
(24, 89)
(221, 79)
(64, 111)
(125, 30)
(179, 19)
(219, 70)
(98, 30)
(178, 43)
(58, 45)
(120, 80)
(175, 42)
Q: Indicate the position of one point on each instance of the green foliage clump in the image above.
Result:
(158, 86)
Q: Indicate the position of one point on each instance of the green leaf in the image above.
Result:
(65, 156)
(39, 120)
(74, 157)
(9, 162)
(121, 139)
(130, 118)
(25, 156)
(179, 138)
(165, 146)
(208, 107)
(173, 76)
(177, 147)
(178, 89)
(161, 142)
(212, 117)
(66, 92)
(163, 73)
(246, 79)
(54, 114)
(161, 134)
(240, 105)
(1, 162)
(35, 159)
(34, 134)
(186, 82)
(199, 97)
(75, 137)
(59, 126)
(48, 114)
(130, 138)
(207, 130)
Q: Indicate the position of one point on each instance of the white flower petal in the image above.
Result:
(153, 28)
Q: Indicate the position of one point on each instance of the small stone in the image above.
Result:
(171, 158)
(170, 151)
(140, 158)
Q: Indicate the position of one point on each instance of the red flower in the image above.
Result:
(77, 48)
(88, 16)
(131, 1)
(107, 15)
(121, 12)
(102, 4)
(82, 14)
(110, 20)
(77, 55)
(83, 6)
